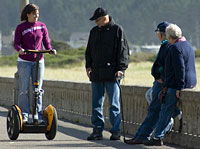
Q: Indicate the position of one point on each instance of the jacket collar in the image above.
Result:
(181, 39)
(108, 25)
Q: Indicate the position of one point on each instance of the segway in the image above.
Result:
(49, 124)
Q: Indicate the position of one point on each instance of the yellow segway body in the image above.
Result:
(20, 116)
(48, 112)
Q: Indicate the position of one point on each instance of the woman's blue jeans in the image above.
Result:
(27, 70)
(98, 97)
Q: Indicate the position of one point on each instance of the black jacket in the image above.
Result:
(157, 69)
(107, 51)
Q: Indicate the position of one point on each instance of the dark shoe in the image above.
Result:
(133, 141)
(96, 135)
(153, 141)
(41, 122)
(35, 122)
(115, 136)
(25, 122)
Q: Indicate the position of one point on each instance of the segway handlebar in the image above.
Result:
(39, 51)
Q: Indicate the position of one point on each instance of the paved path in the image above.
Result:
(68, 136)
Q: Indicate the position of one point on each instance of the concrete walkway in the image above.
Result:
(68, 136)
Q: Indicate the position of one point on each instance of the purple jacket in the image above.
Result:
(31, 36)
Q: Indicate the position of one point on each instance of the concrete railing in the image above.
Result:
(72, 101)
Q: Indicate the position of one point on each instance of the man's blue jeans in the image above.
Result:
(27, 70)
(98, 97)
(156, 118)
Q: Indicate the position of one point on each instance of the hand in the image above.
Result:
(119, 74)
(53, 51)
(178, 93)
(22, 52)
(162, 95)
(160, 81)
(88, 70)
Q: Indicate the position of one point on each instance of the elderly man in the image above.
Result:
(180, 73)
(145, 130)
(107, 57)
(158, 72)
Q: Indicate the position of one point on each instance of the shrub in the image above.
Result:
(59, 45)
(142, 56)
(197, 53)
(62, 58)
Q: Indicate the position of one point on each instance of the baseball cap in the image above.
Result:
(99, 12)
(162, 26)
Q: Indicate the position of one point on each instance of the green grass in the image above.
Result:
(65, 57)
(142, 57)
(136, 74)
(9, 60)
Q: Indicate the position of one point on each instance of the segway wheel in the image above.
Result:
(50, 135)
(13, 123)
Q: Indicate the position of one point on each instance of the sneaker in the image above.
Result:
(25, 120)
(115, 136)
(41, 122)
(96, 135)
(170, 126)
(154, 141)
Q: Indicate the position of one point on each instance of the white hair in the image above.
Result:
(173, 31)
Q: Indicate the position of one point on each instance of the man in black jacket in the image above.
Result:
(107, 57)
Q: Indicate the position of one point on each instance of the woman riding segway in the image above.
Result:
(31, 34)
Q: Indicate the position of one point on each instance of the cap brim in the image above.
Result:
(93, 18)
(156, 30)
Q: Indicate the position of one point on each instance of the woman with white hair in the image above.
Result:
(180, 74)
(174, 33)
(182, 59)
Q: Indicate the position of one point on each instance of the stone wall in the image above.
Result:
(72, 101)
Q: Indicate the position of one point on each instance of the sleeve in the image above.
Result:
(18, 39)
(46, 40)
(122, 51)
(179, 67)
(88, 57)
(155, 70)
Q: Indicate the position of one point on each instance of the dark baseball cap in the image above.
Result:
(99, 12)
(162, 26)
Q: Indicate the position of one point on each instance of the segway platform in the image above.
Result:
(15, 124)
(33, 128)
